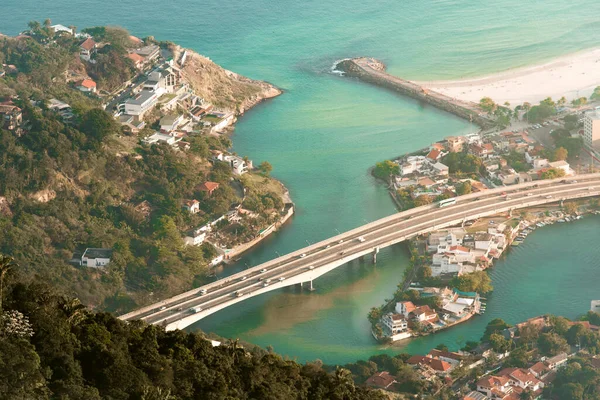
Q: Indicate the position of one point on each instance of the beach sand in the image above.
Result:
(572, 76)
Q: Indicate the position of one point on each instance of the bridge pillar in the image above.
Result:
(375, 251)
(311, 286)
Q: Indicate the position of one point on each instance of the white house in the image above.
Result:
(394, 324)
(196, 237)
(58, 28)
(483, 241)
(557, 361)
(141, 103)
(405, 308)
(169, 123)
(238, 165)
(86, 85)
(445, 263)
(193, 206)
(160, 137)
(563, 165)
(163, 79)
(96, 257)
(86, 49)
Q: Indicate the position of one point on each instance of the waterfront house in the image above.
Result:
(86, 85)
(395, 326)
(192, 206)
(238, 165)
(164, 79)
(96, 257)
(150, 53)
(434, 155)
(445, 264)
(60, 29)
(423, 314)
(86, 49)
(405, 308)
(209, 187)
(381, 380)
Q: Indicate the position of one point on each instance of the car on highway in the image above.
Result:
(243, 278)
(282, 279)
(265, 284)
(202, 292)
(341, 241)
(310, 267)
(179, 308)
(302, 255)
(238, 294)
(262, 271)
(196, 309)
(529, 194)
(267, 280)
(549, 196)
(163, 308)
(342, 252)
(361, 239)
(328, 246)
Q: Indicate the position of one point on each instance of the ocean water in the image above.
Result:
(325, 132)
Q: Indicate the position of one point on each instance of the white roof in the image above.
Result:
(454, 308)
(561, 163)
(61, 28)
(462, 300)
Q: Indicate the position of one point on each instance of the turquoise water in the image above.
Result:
(325, 131)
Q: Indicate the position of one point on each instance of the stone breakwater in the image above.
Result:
(373, 71)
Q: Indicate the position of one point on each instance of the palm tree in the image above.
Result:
(6, 264)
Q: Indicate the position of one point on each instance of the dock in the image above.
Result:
(373, 71)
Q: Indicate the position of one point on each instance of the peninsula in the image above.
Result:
(131, 190)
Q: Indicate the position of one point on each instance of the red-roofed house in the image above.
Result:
(438, 366)
(138, 61)
(423, 313)
(539, 370)
(495, 387)
(521, 378)
(382, 380)
(434, 155)
(405, 308)
(86, 85)
(482, 151)
(86, 49)
(209, 187)
(447, 356)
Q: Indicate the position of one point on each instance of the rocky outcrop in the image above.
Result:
(222, 88)
(373, 71)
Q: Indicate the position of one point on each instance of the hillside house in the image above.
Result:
(96, 257)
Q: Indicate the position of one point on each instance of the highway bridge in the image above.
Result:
(305, 265)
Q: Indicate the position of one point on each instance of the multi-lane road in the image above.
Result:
(308, 263)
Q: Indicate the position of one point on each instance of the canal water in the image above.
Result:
(325, 132)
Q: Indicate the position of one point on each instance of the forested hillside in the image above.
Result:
(51, 346)
(67, 184)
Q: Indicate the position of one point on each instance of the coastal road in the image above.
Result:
(307, 264)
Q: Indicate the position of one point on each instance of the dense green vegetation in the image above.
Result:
(70, 185)
(51, 346)
(385, 169)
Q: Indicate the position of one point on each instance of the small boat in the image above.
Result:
(579, 217)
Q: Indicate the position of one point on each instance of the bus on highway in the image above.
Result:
(447, 202)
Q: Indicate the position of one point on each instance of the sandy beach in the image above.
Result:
(572, 76)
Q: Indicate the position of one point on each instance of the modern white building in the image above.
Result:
(197, 236)
(591, 129)
(395, 326)
(141, 103)
(96, 258)
(238, 165)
